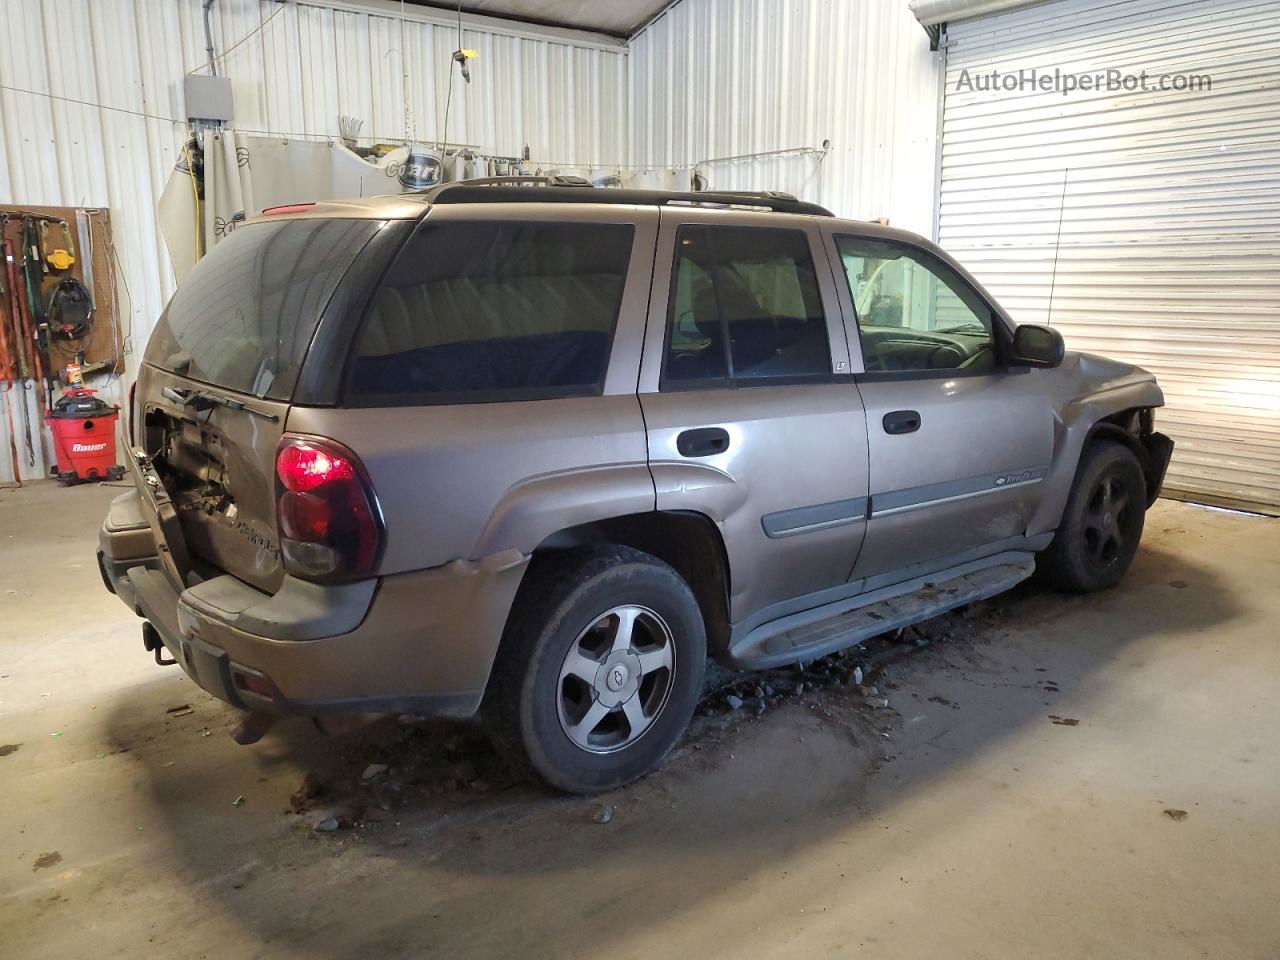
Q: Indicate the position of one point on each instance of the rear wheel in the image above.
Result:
(599, 670)
(1102, 523)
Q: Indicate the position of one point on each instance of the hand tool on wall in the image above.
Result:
(36, 325)
(69, 311)
(23, 368)
(33, 331)
(8, 360)
(61, 258)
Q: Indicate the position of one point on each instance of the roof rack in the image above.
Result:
(534, 189)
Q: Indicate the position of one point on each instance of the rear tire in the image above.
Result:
(599, 670)
(1102, 523)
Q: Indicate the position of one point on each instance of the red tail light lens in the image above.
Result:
(330, 526)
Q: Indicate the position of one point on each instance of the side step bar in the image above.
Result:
(808, 635)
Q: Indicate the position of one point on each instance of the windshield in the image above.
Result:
(244, 317)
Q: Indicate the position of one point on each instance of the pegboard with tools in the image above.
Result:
(58, 294)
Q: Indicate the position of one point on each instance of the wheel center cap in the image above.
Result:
(618, 678)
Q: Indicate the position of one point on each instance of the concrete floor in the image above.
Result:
(1013, 801)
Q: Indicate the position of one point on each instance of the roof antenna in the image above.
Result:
(1057, 243)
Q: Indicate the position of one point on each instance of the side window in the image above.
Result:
(482, 310)
(914, 313)
(745, 307)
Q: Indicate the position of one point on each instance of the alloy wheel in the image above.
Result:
(615, 679)
(1107, 520)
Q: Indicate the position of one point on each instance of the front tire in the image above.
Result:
(1102, 523)
(599, 670)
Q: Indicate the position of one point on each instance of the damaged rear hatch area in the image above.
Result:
(214, 391)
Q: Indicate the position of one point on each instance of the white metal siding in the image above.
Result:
(720, 78)
(1170, 226)
(562, 92)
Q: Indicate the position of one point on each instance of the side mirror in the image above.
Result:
(1037, 346)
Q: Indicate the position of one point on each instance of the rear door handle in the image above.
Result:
(901, 421)
(703, 442)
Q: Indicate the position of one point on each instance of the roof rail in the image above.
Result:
(535, 189)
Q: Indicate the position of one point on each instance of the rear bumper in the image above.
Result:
(420, 642)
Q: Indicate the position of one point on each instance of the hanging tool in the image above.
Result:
(36, 327)
(25, 365)
(461, 56)
(69, 311)
(9, 343)
(8, 356)
(60, 259)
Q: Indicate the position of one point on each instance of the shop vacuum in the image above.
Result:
(84, 437)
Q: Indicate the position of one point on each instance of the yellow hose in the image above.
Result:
(195, 195)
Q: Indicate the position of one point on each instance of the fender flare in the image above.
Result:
(1080, 421)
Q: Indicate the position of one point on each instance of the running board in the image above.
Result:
(808, 635)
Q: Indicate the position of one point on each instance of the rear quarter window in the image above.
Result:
(487, 311)
(245, 316)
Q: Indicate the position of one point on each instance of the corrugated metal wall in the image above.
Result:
(718, 78)
(563, 93)
(1170, 221)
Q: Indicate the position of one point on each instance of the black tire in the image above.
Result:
(1102, 523)
(530, 706)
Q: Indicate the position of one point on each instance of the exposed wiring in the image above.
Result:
(409, 130)
(222, 58)
(380, 138)
(448, 97)
(208, 39)
(195, 194)
(89, 103)
(127, 338)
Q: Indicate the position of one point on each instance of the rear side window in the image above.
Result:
(745, 307)
(476, 311)
(244, 317)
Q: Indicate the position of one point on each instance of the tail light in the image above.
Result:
(327, 513)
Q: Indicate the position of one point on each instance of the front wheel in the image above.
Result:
(1102, 523)
(599, 670)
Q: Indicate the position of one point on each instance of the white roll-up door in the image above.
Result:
(1163, 206)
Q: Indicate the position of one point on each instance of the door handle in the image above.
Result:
(901, 421)
(703, 442)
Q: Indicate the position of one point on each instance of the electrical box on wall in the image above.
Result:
(208, 98)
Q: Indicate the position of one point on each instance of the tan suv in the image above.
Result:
(538, 450)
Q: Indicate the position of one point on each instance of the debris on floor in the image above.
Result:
(1064, 721)
(310, 788)
(604, 813)
(1175, 814)
(47, 860)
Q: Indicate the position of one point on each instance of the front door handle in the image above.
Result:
(901, 421)
(703, 442)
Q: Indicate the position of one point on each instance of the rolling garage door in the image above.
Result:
(1163, 206)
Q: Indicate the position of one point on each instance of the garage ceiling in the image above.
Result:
(618, 17)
